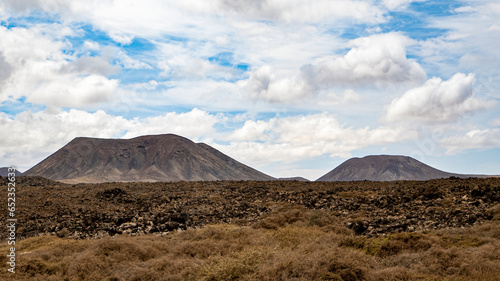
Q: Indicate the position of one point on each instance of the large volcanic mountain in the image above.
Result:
(384, 168)
(147, 158)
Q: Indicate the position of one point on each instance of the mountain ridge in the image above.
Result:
(166, 157)
(385, 168)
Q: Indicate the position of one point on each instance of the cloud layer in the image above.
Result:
(267, 81)
(290, 139)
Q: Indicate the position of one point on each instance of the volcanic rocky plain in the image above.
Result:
(363, 216)
(369, 208)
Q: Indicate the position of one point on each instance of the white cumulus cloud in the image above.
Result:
(74, 91)
(438, 101)
(264, 84)
(42, 72)
(378, 59)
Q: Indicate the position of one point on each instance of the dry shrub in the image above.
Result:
(392, 274)
(315, 261)
(143, 274)
(390, 245)
(216, 232)
(301, 249)
(491, 230)
(173, 268)
(124, 249)
(486, 230)
(284, 215)
(347, 271)
(461, 241)
(321, 218)
(46, 242)
(292, 237)
(218, 239)
(37, 267)
(495, 212)
(412, 262)
(202, 249)
(409, 242)
(292, 214)
(468, 264)
(231, 267)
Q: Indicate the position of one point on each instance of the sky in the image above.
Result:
(291, 88)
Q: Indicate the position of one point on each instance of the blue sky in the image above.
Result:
(292, 88)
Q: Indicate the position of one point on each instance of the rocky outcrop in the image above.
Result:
(368, 208)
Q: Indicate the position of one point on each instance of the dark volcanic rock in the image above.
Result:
(385, 168)
(366, 207)
(147, 158)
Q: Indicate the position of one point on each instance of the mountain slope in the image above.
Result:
(4, 171)
(384, 168)
(147, 158)
(294, 179)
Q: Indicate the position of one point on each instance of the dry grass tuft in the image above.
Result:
(495, 212)
(291, 243)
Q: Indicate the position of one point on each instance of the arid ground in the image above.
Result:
(446, 229)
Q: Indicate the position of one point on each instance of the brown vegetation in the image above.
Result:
(291, 243)
(258, 231)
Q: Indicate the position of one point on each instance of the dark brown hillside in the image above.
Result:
(385, 168)
(146, 158)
